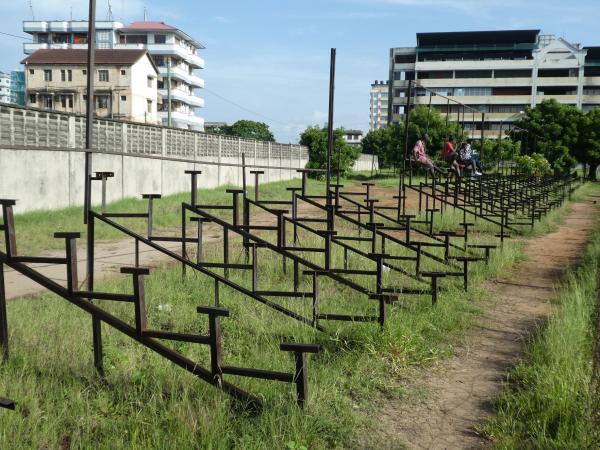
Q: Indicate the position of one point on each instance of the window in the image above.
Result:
(473, 74)
(103, 75)
(102, 101)
(48, 101)
(84, 72)
(150, 82)
(63, 101)
(159, 60)
(32, 98)
(61, 38)
(160, 84)
(80, 38)
(149, 106)
(524, 73)
(31, 71)
(123, 72)
(160, 39)
(69, 75)
(103, 36)
(47, 75)
(63, 75)
(42, 38)
(123, 98)
(136, 39)
(70, 101)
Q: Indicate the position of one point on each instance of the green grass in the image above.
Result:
(547, 404)
(146, 402)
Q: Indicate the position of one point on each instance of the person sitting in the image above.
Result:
(466, 157)
(450, 156)
(475, 156)
(420, 155)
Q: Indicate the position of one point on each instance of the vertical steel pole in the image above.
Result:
(482, 137)
(89, 122)
(3, 316)
(330, 136)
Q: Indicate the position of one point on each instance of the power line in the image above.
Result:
(15, 36)
(245, 109)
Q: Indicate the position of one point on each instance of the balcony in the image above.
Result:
(183, 75)
(35, 26)
(174, 49)
(30, 47)
(183, 97)
(570, 99)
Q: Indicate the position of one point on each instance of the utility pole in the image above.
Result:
(89, 119)
(169, 91)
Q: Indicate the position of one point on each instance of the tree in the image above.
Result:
(553, 130)
(249, 129)
(385, 144)
(589, 148)
(315, 138)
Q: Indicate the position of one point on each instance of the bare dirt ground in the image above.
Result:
(458, 392)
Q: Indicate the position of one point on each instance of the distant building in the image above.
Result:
(353, 137)
(494, 72)
(214, 127)
(125, 83)
(378, 111)
(174, 53)
(5, 87)
(17, 87)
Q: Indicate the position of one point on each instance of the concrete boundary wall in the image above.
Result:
(50, 178)
(365, 163)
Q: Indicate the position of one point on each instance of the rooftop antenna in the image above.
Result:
(31, 10)
(109, 14)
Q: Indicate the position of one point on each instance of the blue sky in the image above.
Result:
(272, 56)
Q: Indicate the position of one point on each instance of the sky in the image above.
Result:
(268, 60)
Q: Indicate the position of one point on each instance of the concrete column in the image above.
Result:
(164, 141)
(124, 138)
(71, 131)
(12, 126)
(219, 161)
(580, 66)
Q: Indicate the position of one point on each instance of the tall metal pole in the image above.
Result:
(89, 119)
(89, 134)
(330, 124)
(482, 135)
(406, 123)
(169, 91)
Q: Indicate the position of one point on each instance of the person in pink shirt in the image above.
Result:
(420, 155)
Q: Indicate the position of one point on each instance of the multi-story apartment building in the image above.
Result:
(494, 72)
(125, 83)
(17, 87)
(5, 96)
(174, 53)
(378, 111)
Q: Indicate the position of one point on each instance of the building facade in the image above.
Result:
(353, 137)
(125, 83)
(378, 110)
(174, 52)
(493, 72)
(17, 87)
(5, 87)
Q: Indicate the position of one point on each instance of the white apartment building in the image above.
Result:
(378, 109)
(5, 92)
(495, 72)
(173, 51)
(125, 83)
(353, 137)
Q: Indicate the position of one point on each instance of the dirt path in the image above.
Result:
(111, 256)
(460, 390)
